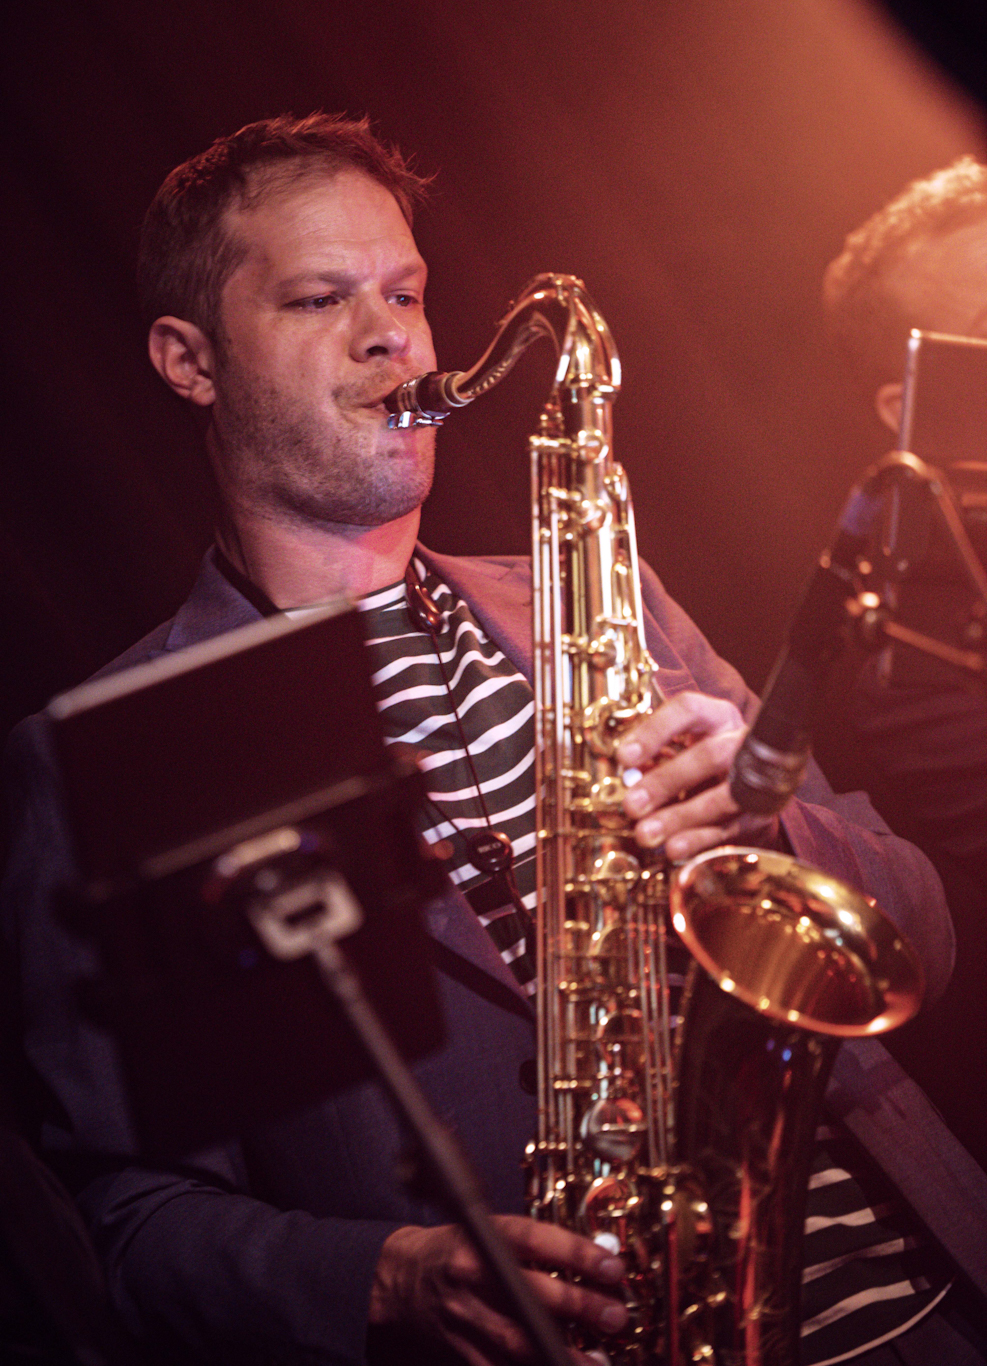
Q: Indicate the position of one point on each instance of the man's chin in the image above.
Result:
(415, 442)
(359, 508)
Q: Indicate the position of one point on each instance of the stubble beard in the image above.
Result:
(282, 462)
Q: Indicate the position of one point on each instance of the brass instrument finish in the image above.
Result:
(601, 1163)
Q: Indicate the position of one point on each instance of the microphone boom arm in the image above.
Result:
(771, 762)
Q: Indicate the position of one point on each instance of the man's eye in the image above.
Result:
(316, 303)
(405, 300)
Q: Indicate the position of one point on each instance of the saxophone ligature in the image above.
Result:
(680, 1134)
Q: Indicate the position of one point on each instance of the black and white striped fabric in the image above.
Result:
(869, 1274)
(495, 708)
(868, 1268)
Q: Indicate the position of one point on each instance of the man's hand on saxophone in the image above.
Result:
(683, 801)
(432, 1279)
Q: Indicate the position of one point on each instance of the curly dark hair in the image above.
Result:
(187, 253)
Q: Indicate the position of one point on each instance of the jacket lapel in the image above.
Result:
(213, 607)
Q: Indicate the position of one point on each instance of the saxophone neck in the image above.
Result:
(556, 307)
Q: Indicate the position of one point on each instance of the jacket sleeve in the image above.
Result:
(196, 1265)
(211, 1274)
(842, 835)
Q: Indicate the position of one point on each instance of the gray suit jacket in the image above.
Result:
(264, 1249)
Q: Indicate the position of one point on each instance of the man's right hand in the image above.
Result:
(432, 1279)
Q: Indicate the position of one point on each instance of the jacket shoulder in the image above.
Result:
(148, 647)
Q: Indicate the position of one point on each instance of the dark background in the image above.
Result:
(697, 163)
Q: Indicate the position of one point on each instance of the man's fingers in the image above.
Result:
(712, 807)
(708, 760)
(433, 1278)
(472, 1317)
(688, 713)
(696, 841)
(707, 814)
(539, 1244)
(552, 1246)
(548, 1245)
(579, 1303)
(483, 1334)
(703, 821)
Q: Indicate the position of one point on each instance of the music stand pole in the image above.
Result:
(287, 936)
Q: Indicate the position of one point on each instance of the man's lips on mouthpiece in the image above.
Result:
(376, 400)
(363, 398)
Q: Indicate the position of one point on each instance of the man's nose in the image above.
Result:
(378, 330)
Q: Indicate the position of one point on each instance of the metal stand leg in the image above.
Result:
(308, 919)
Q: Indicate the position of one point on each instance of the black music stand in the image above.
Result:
(236, 814)
(170, 766)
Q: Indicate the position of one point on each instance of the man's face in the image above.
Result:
(322, 318)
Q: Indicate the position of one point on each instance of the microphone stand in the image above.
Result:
(771, 762)
(870, 614)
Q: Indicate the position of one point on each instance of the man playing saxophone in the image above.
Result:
(285, 296)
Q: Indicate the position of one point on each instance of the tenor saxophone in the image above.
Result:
(678, 1135)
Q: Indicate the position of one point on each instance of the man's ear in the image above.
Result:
(887, 401)
(184, 357)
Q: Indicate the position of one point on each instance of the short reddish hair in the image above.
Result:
(187, 255)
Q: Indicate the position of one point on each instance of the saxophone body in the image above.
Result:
(679, 1135)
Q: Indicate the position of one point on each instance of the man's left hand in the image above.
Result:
(683, 800)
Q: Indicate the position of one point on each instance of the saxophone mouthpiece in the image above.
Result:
(425, 401)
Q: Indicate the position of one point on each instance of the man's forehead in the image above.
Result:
(294, 203)
(939, 280)
(958, 249)
(955, 243)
